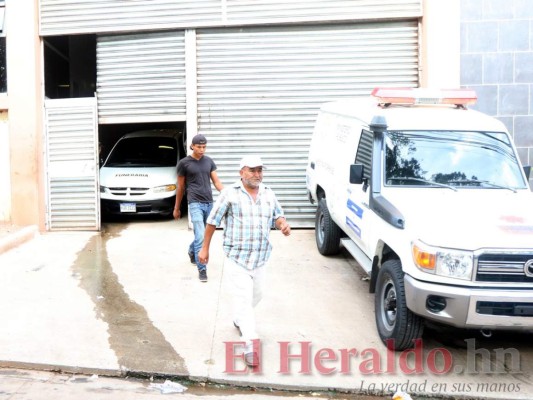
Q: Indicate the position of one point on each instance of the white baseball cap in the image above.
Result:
(251, 161)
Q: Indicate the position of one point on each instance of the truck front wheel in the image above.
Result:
(327, 233)
(397, 325)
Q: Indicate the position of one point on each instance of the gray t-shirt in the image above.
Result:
(197, 178)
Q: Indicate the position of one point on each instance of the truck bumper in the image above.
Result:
(471, 307)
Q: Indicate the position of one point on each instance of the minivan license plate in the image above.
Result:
(128, 207)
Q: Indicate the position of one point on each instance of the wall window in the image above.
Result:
(3, 75)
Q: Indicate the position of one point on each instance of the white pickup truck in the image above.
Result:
(431, 200)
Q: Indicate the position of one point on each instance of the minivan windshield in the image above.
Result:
(452, 159)
(144, 152)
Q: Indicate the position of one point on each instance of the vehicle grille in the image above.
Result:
(123, 191)
(493, 267)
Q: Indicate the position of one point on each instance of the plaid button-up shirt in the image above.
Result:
(247, 224)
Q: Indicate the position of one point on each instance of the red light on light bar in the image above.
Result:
(424, 96)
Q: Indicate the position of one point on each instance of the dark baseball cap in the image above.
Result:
(199, 139)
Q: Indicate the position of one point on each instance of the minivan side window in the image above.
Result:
(364, 152)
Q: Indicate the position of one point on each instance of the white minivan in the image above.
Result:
(140, 173)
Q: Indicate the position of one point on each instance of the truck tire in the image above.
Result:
(327, 233)
(394, 321)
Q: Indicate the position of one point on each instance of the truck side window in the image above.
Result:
(364, 152)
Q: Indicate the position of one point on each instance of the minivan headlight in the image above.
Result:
(164, 188)
(444, 262)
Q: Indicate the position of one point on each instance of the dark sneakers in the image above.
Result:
(202, 275)
(191, 256)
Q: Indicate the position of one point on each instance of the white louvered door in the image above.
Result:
(71, 143)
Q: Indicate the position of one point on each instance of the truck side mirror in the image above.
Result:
(527, 170)
(356, 174)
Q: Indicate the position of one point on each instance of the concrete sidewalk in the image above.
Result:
(128, 301)
(12, 236)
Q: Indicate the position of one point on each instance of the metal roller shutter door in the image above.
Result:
(63, 17)
(141, 78)
(259, 90)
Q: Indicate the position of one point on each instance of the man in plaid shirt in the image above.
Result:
(249, 210)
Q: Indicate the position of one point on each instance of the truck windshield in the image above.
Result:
(452, 159)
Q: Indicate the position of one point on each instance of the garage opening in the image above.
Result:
(138, 169)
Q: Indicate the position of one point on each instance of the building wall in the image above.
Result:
(497, 60)
(115, 16)
(440, 41)
(25, 203)
(5, 181)
(24, 105)
(491, 38)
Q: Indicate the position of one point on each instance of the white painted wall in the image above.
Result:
(441, 41)
(25, 108)
(5, 182)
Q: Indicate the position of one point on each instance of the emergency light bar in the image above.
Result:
(458, 97)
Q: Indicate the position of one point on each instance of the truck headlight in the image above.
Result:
(444, 262)
(102, 189)
(164, 188)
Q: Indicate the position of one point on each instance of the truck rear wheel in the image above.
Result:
(394, 321)
(327, 233)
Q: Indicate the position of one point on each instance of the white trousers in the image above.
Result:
(247, 289)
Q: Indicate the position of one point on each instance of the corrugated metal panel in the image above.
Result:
(282, 11)
(72, 165)
(141, 78)
(62, 17)
(259, 91)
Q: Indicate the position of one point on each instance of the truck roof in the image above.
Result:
(415, 117)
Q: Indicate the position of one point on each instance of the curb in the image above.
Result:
(64, 369)
(18, 237)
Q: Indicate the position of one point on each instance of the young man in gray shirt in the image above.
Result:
(195, 174)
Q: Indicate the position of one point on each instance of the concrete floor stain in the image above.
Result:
(139, 346)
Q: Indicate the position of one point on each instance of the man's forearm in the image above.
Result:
(208, 234)
(179, 197)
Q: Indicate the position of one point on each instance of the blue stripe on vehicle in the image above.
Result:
(355, 208)
(353, 226)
